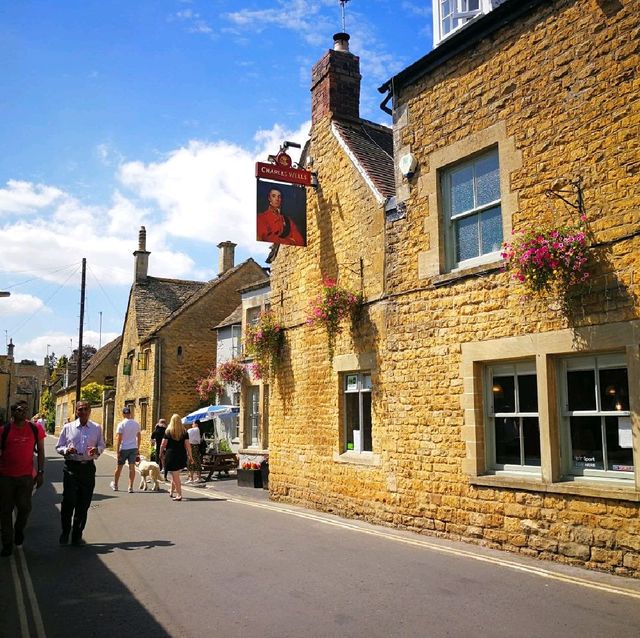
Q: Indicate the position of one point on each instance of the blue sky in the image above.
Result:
(121, 113)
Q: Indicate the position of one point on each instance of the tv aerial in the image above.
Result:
(344, 25)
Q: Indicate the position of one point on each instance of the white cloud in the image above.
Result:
(24, 197)
(206, 191)
(301, 16)
(20, 304)
(59, 343)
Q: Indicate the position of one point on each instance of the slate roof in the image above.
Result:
(372, 146)
(101, 355)
(200, 291)
(234, 318)
(157, 298)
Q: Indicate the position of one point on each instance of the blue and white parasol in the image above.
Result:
(207, 414)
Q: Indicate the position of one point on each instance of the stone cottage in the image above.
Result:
(481, 413)
(168, 338)
(101, 369)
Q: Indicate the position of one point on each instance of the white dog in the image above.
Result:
(148, 469)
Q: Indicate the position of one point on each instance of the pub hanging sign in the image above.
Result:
(282, 200)
(283, 171)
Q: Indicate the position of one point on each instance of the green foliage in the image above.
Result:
(48, 409)
(92, 392)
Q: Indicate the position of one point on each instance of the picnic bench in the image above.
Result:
(219, 462)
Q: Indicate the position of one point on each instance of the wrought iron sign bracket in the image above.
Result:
(576, 190)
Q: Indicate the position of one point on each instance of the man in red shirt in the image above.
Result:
(17, 475)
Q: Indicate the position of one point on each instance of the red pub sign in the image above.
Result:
(282, 173)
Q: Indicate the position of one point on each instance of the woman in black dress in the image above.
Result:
(177, 453)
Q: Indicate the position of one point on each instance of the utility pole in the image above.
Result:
(79, 369)
(100, 339)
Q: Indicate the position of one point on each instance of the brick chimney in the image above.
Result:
(335, 82)
(226, 256)
(141, 256)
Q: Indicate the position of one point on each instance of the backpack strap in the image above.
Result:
(5, 434)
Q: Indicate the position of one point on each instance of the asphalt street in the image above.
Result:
(228, 562)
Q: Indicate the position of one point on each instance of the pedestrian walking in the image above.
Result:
(177, 453)
(19, 439)
(81, 442)
(127, 446)
(156, 436)
(195, 466)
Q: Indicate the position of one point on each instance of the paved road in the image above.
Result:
(228, 563)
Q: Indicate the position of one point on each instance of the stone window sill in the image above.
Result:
(581, 487)
(456, 275)
(357, 458)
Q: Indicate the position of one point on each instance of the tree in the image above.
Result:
(87, 352)
(92, 392)
(48, 409)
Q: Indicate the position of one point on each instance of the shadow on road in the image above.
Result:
(77, 593)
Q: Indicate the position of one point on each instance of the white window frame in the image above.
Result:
(459, 13)
(253, 417)
(236, 341)
(505, 369)
(362, 386)
(596, 363)
(450, 219)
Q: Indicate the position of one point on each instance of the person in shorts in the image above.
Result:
(127, 446)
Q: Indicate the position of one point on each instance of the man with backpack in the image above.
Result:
(19, 440)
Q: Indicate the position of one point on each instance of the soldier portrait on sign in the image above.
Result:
(281, 213)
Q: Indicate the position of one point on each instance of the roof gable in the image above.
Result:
(156, 299)
(370, 147)
(205, 289)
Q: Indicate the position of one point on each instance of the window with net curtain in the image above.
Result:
(472, 210)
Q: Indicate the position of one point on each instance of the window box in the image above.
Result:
(249, 478)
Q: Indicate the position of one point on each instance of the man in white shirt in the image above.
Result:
(127, 446)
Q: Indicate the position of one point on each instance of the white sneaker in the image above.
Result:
(130, 490)
(113, 486)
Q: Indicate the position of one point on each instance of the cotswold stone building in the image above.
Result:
(168, 338)
(454, 406)
(102, 369)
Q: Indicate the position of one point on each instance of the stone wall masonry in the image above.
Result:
(564, 84)
(192, 330)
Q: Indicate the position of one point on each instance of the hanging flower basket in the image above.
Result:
(331, 306)
(263, 342)
(209, 387)
(231, 371)
(549, 259)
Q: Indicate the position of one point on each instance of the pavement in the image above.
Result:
(224, 484)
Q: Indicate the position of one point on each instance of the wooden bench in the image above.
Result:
(219, 462)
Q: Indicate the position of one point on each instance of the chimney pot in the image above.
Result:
(226, 256)
(341, 41)
(141, 264)
(142, 238)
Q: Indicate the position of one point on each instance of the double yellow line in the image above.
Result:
(24, 590)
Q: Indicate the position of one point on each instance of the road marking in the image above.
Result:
(22, 612)
(424, 544)
(35, 608)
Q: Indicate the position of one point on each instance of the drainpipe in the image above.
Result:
(158, 396)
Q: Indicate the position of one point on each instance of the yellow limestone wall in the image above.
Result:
(558, 92)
